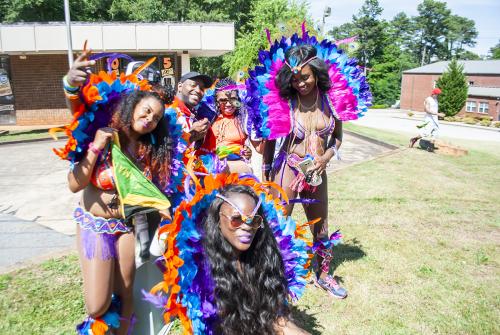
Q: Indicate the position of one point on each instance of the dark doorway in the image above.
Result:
(7, 111)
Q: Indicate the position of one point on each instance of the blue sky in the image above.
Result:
(484, 12)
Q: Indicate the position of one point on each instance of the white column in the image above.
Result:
(185, 63)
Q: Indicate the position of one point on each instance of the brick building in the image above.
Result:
(484, 87)
(33, 59)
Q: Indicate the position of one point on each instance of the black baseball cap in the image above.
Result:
(207, 81)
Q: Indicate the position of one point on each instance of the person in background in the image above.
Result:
(190, 91)
(229, 133)
(430, 127)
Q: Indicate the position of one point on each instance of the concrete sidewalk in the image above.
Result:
(34, 186)
(23, 241)
(36, 205)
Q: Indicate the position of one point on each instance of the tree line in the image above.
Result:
(385, 47)
(389, 47)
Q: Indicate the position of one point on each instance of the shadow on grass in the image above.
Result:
(307, 321)
(349, 250)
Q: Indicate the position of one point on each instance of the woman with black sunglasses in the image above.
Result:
(246, 266)
(233, 262)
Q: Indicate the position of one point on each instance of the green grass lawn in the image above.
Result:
(13, 136)
(420, 254)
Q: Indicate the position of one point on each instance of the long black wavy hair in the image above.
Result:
(154, 148)
(252, 297)
(299, 54)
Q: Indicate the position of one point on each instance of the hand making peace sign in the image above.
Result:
(78, 73)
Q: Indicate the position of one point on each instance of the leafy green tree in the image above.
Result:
(453, 85)
(441, 34)
(468, 55)
(386, 71)
(279, 16)
(401, 31)
(343, 31)
(138, 10)
(495, 51)
(431, 29)
(370, 30)
(461, 32)
(53, 10)
(237, 11)
(3, 9)
(385, 75)
(32, 10)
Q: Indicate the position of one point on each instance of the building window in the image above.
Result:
(471, 106)
(483, 107)
(471, 83)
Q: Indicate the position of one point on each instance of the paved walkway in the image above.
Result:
(34, 185)
(23, 240)
(36, 205)
(357, 149)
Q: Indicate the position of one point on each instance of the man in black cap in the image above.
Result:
(190, 91)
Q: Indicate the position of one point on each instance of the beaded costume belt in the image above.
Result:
(99, 225)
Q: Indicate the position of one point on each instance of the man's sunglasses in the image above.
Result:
(253, 220)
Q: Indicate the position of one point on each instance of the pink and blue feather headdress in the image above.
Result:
(349, 95)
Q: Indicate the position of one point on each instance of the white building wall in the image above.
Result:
(152, 37)
(17, 39)
(198, 39)
(185, 37)
(85, 32)
(119, 37)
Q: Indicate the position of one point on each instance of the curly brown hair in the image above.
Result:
(154, 148)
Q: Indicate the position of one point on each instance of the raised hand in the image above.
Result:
(78, 73)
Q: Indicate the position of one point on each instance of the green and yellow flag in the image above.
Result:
(137, 193)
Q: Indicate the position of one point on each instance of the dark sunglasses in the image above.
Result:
(253, 220)
(234, 101)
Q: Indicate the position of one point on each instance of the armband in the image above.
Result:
(68, 88)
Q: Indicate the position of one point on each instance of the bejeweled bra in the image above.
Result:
(300, 132)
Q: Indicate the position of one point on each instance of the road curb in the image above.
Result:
(31, 140)
(379, 156)
(371, 140)
(37, 260)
